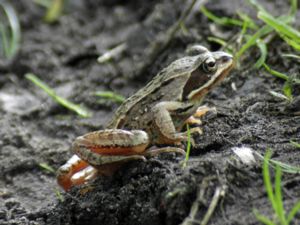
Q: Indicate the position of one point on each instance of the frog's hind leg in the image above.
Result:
(110, 142)
(74, 166)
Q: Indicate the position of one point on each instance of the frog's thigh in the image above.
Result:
(98, 160)
(111, 142)
(163, 120)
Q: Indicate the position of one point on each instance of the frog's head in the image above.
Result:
(206, 71)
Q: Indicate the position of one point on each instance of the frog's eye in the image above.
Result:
(209, 65)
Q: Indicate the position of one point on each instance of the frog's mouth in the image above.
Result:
(212, 82)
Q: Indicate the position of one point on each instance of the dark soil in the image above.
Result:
(35, 129)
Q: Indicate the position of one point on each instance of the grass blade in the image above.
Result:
(296, 144)
(59, 196)
(279, 95)
(281, 28)
(278, 196)
(267, 180)
(217, 40)
(111, 96)
(46, 167)
(293, 212)
(44, 3)
(287, 90)
(112, 53)
(54, 11)
(284, 166)
(276, 73)
(253, 40)
(188, 147)
(13, 38)
(248, 20)
(291, 42)
(4, 44)
(256, 5)
(293, 9)
(62, 101)
(263, 53)
(263, 218)
(292, 56)
(224, 21)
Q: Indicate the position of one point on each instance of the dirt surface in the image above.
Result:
(36, 130)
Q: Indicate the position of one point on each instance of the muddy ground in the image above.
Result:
(35, 129)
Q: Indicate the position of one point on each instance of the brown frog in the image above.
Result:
(153, 116)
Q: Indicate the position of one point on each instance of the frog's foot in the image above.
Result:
(196, 130)
(200, 112)
(76, 171)
(66, 172)
(83, 176)
(203, 110)
(154, 152)
(193, 121)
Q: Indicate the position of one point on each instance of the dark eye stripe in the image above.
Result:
(197, 79)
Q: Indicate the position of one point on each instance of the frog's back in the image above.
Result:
(146, 97)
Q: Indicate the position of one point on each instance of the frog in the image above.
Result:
(152, 120)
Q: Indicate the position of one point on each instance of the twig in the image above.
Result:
(219, 192)
(112, 53)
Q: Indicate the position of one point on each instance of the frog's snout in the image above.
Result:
(226, 58)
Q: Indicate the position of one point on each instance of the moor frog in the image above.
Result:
(153, 116)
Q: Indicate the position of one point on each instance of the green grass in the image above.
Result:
(54, 9)
(225, 21)
(252, 41)
(274, 194)
(276, 73)
(46, 167)
(110, 96)
(294, 143)
(283, 166)
(263, 53)
(260, 37)
(10, 31)
(188, 147)
(287, 87)
(59, 196)
(62, 101)
(283, 29)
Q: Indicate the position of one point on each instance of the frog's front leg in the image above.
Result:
(200, 112)
(168, 133)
